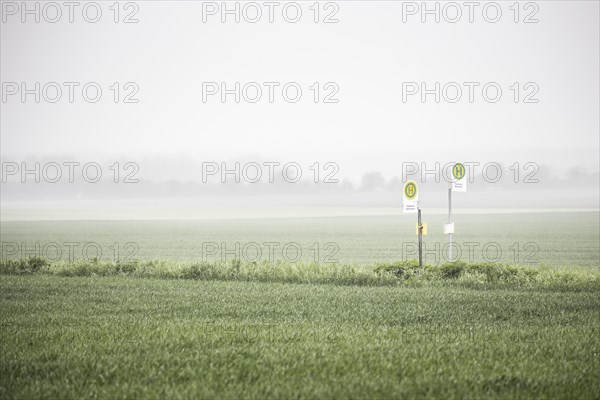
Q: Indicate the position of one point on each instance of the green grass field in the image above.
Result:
(171, 326)
(118, 337)
(559, 239)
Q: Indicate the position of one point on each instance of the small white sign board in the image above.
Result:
(449, 228)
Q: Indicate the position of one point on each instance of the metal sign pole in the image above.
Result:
(420, 228)
(449, 222)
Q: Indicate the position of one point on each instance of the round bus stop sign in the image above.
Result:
(410, 190)
(458, 171)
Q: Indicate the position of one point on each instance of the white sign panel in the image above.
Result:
(449, 228)
(459, 178)
(411, 197)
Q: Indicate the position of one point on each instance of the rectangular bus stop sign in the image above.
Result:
(459, 178)
(411, 197)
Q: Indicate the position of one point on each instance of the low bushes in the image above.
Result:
(404, 273)
(23, 266)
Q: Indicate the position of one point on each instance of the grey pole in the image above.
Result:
(449, 222)
(420, 230)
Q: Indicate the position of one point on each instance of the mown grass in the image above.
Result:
(107, 336)
(403, 273)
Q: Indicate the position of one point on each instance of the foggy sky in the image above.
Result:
(369, 53)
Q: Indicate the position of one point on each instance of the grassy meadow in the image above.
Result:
(553, 239)
(123, 337)
(168, 324)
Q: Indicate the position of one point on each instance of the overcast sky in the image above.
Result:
(368, 54)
